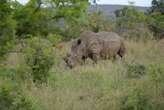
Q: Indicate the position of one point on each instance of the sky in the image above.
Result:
(120, 2)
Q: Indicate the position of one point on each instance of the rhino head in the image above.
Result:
(77, 54)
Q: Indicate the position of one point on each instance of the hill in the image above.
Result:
(109, 9)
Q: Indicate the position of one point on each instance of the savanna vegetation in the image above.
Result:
(35, 37)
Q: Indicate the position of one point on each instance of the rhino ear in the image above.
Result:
(79, 41)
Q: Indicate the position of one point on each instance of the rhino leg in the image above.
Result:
(114, 58)
(84, 59)
(94, 56)
(122, 50)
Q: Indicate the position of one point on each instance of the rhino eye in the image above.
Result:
(79, 41)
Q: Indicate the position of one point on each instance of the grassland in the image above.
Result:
(133, 83)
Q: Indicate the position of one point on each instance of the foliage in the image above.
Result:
(157, 6)
(156, 14)
(136, 100)
(132, 23)
(156, 73)
(7, 27)
(99, 22)
(40, 17)
(72, 30)
(128, 17)
(39, 57)
(31, 20)
(7, 73)
(74, 15)
(106, 85)
(70, 10)
(54, 38)
(136, 70)
(12, 98)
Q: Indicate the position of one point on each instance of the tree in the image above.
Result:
(156, 14)
(97, 21)
(7, 26)
(32, 19)
(74, 15)
(132, 23)
(157, 6)
(40, 17)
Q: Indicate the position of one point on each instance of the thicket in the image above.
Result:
(13, 98)
(7, 27)
(156, 13)
(39, 58)
(132, 23)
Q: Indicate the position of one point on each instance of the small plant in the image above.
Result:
(11, 97)
(54, 38)
(135, 70)
(39, 57)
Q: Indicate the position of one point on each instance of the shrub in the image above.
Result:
(99, 22)
(156, 73)
(54, 38)
(132, 23)
(39, 57)
(136, 100)
(139, 32)
(19, 74)
(156, 79)
(72, 30)
(7, 73)
(135, 70)
(12, 98)
(7, 27)
(33, 20)
(156, 14)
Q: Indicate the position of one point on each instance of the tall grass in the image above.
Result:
(106, 85)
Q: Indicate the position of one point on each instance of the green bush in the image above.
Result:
(97, 21)
(156, 25)
(33, 20)
(156, 79)
(156, 73)
(132, 23)
(7, 27)
(135, 70)
(139, 32)
(7, 73)
(12, 98)
(72, 30)
(136, 100)
(19, 74)
(156, 14)
(39, 57)
(54, 38)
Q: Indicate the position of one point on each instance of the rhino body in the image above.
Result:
(96, 46)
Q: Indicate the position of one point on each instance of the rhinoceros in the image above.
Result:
(96, 46)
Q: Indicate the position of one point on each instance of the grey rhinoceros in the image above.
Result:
(96, 46)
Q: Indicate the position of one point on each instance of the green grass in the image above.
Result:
(104, 86)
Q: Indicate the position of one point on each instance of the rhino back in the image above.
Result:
(111, 43)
